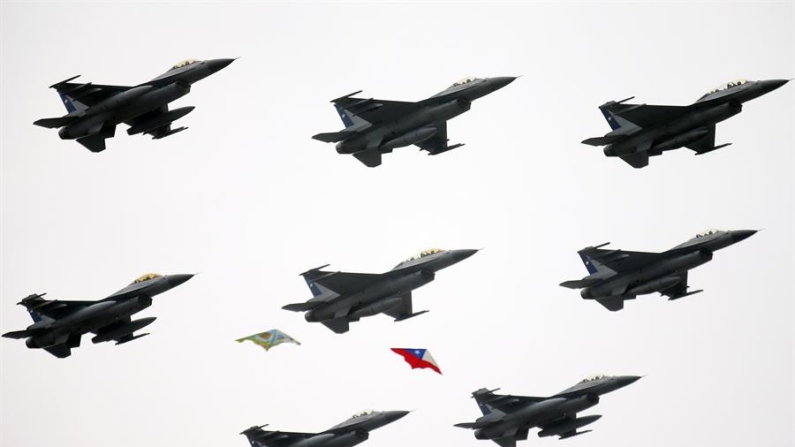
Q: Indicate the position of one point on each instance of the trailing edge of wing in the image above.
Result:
(333, 137)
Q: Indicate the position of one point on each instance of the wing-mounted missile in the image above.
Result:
(483, 391)
(713, 149)
(314, 270)
(609, 104)
(59, 84)
(657, 285)
(569, 428)
(159, 120)
(684, 295)
(415, 314)
(573, 434)
(253, 429)
(413, 137)
(681, 140)
(169, 133)
(129, 338)
(32, 300)
(594, 247)
(346, 96)
(447, 149)
(118, 332)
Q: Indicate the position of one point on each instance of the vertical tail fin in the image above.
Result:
(481, 396)
(590, 258)
(349, 119)
(311, 275)
(612, 113)
(64, 88)
(253, 433)
(31, 303)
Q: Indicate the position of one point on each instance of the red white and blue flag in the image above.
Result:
(418, 358)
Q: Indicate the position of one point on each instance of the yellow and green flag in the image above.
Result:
(269, 339)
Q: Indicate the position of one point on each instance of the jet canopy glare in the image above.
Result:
(363, 413)
(593, 377)
(728, 85)
(147, 277)
(184, 63)
(464, 81)
(424, 253)
(708, 233)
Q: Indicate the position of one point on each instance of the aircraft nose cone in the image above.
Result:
(219, 64)
(500, 82)
(392, 416)
(460, 255)
(628, 380)
(773, 84)
(739, 235)
(175, 280)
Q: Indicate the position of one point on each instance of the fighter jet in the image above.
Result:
(340, 297)
(95, 110)
(58, 325)
(347, 434)
(618, 275)
(374, 127)
(507, 419)
(640, 131)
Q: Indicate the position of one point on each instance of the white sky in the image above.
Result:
(248, 199)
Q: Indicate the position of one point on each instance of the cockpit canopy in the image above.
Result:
(708, 233)
(147, 277)
(728, 85)
(363, 413)
(593, 378)
(464, 81)
(184, 63)
(422, 254)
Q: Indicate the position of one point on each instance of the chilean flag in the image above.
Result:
(418, 358)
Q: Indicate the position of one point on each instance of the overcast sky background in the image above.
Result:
(249, 200)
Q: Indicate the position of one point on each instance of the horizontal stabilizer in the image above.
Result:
(61, 351)
(54, 123)
(613, 303)
(470, 425)
(302, 307)
(637, 160)
(602, 141)
(338, 325)
(20, 334)
(579, 283)
(333, 137)
(371, 158)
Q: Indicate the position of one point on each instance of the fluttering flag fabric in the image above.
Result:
(418, 358)
(269, 339)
